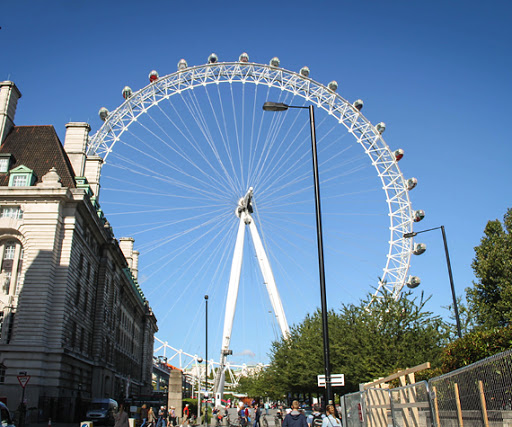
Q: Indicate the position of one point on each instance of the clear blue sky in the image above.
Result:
(438, 73)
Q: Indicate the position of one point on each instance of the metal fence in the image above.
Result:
(477, 395)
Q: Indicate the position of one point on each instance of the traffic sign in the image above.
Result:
(337, 380)
(23, 380)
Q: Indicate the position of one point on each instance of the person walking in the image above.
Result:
(257, 415)
(331, 419)
(172, 417)
(151, 417)
(186, 415)
(121, 417)
(242, 417)
(295, 418)
(316, 418)
(144, 415)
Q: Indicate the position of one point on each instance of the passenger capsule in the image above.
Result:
(381, 127)
(413, 282)
(212, 59)
(153, 76)
(103, 113)
(127, 92)
(398, 154)
(304, 71)
(243, 58)
(419, 215)
(333, 85)
(182, 65)
(358, 105)
(411, 183)
(274, 62)
(419, 248)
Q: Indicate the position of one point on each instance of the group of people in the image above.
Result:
(295, 418)
(246, 416)
(164, 417)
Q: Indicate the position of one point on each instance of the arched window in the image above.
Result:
(11, 270)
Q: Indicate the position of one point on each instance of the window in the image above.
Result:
(11, 212)
(10, 250)
(4, 164)
(21, 177)
(19, 181)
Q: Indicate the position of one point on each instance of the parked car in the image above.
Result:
(5, 415)
(102, 411)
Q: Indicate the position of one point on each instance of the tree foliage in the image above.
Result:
(475, 346)
(490, 298)
(366, 342)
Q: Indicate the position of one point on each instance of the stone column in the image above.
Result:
(175, 395)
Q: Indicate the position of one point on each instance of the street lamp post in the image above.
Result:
(206, 362)
(199, 360)
(449, 266)
(278, 106)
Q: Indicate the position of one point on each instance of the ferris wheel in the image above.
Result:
(191, 162)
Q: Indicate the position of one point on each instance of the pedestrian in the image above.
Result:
(162, 416)
(316, 418)
(267, 407)
(242, 417)
(151, 417)
(295, 418)
(257, 414)
(144, 415)
(121, 417)
(186, 414)
(172, 417)
(331, 419)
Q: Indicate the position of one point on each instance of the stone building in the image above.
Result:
(72, 315)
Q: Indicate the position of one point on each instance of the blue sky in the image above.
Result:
(438, 73)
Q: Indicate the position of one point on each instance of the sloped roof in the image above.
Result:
(38, 148)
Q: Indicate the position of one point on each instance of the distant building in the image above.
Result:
(72, 315)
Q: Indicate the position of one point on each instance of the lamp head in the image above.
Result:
(275, 106)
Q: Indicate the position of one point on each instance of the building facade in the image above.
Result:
(72, 315)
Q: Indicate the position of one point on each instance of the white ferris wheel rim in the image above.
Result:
(382, 158)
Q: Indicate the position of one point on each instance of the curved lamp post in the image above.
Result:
(449, 266)
(279, 106)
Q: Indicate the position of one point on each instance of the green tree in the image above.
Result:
(366, 342)
(490, 298)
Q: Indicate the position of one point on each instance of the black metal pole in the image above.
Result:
(206, 361)
(448, 264)
(319, 234)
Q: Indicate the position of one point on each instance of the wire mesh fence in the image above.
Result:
(477, 395)
(353, 410)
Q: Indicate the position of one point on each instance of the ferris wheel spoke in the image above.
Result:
(197, 114)
(208, 190)
(207, 179)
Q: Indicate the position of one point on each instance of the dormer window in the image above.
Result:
(5, 160)
(21, 177)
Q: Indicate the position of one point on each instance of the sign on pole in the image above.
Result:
(23, 380)
(337, 380)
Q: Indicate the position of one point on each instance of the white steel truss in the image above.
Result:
(243, 212)
(368, 136)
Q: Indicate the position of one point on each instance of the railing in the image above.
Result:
(477, 395)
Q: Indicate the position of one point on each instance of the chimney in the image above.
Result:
(75, 144)
(135, 268)
(93, 172)
(126, 245)
(9, 95)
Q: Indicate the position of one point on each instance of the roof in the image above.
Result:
(39, 149)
